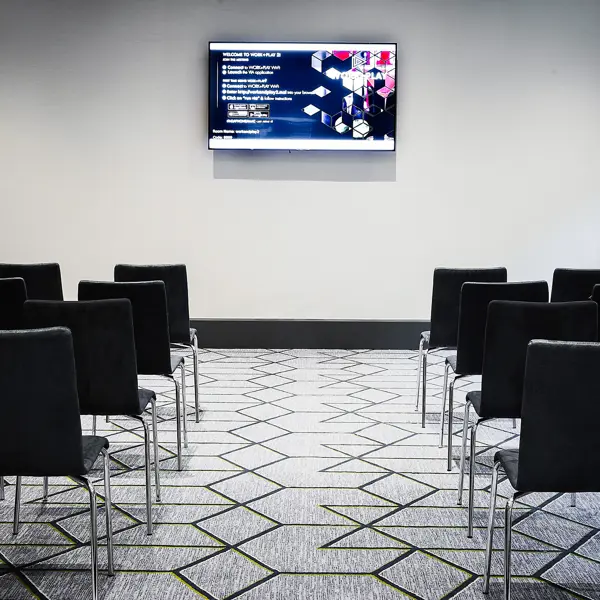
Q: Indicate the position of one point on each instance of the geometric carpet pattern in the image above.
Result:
(309, 476)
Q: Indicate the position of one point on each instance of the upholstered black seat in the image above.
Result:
(445, 301)
(559, 447)
(43, 281)
(40, 428)
(105, 359)
(151, 332)
(91, 446)
(176, 288)
(475, 298)
(571, 285)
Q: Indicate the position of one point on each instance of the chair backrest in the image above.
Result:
(150, 319)
(12, 298)
(510, 327)
(40, 429)
(445, 300)
(559, 449)
(43, 281)
(570, 285)
(176, 285)
(104, 346)
(474, 301)
(596, 294)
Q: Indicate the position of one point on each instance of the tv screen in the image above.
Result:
(302, 96)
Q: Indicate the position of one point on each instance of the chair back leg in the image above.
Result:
(148, 470)
(17, 505)
(463, 454)
(108, 511)
(184, 406)
(155, 442)
(424, 400)
(490, 530)
(196, 391)
(444, 394)
(508, 547)
(421, 344)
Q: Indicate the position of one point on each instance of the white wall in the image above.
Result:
(103, 153)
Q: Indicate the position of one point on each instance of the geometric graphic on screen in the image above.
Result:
(370, 78)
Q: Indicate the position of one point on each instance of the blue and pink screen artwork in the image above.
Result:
(302, 96)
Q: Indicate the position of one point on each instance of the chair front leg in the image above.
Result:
(463, 454)
(108, 511)
(93, 532)
(421, 344)
(573, 500)
(196, 392)
(148, 474)
(1, 487)
(444, 394)
(155, 443)
(490, 530)
(178, 422)
(450, 421)
(16, 523)
(94, 425)
(472, 474)
(508, 547)
(46, 489)
(424, 402)
(185, 435)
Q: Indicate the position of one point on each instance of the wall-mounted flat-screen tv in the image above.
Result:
(302, 96)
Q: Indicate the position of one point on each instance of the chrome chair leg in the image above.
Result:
(46, 489)
(472, 474)
(1, 487)
(17, 505)
(148, 474)
(93, 535)
(514, 423)
(424, 401)
(444, 394)
(108, 510)
(573, 500)
(463, 454)
(155, 443)
(450, 421)
(490, 530)
(185, 435)
(94, 425)
(196, 392)
(508, 547)
(178, 422)
(421, 344)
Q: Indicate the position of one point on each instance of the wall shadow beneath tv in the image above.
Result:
(306, 165)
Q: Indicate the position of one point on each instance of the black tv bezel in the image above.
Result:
(351, 150)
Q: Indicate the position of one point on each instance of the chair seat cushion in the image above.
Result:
(145, 396)
(91, 446)
(475, 399)
(451, 360)
(176, 360)
(509, 459)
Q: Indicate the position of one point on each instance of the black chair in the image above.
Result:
(43, 281)
(12, 298)
(571, 285)
(559, 449)
(510, 328)
(472, 316)
(106, 366)
(176, 286)
(151, 331)
(40, 429)
(445, 299)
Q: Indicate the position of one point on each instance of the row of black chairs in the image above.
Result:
(491, 325)
(97, 347)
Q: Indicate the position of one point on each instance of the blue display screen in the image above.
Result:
(302, 96)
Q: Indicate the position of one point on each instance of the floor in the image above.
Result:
(308, 477)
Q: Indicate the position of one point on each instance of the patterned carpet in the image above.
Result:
(308, 477)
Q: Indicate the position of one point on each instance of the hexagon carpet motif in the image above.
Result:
(308, 476)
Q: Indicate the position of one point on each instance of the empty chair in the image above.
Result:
(105, 362)
(559, 448)
(474, 301)
(151, 331)
(43, 280)
(445, 299)
(40, 429)
(510, 328)
(570, 285)
(176, 286)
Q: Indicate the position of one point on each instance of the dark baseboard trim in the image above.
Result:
(352, 335)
